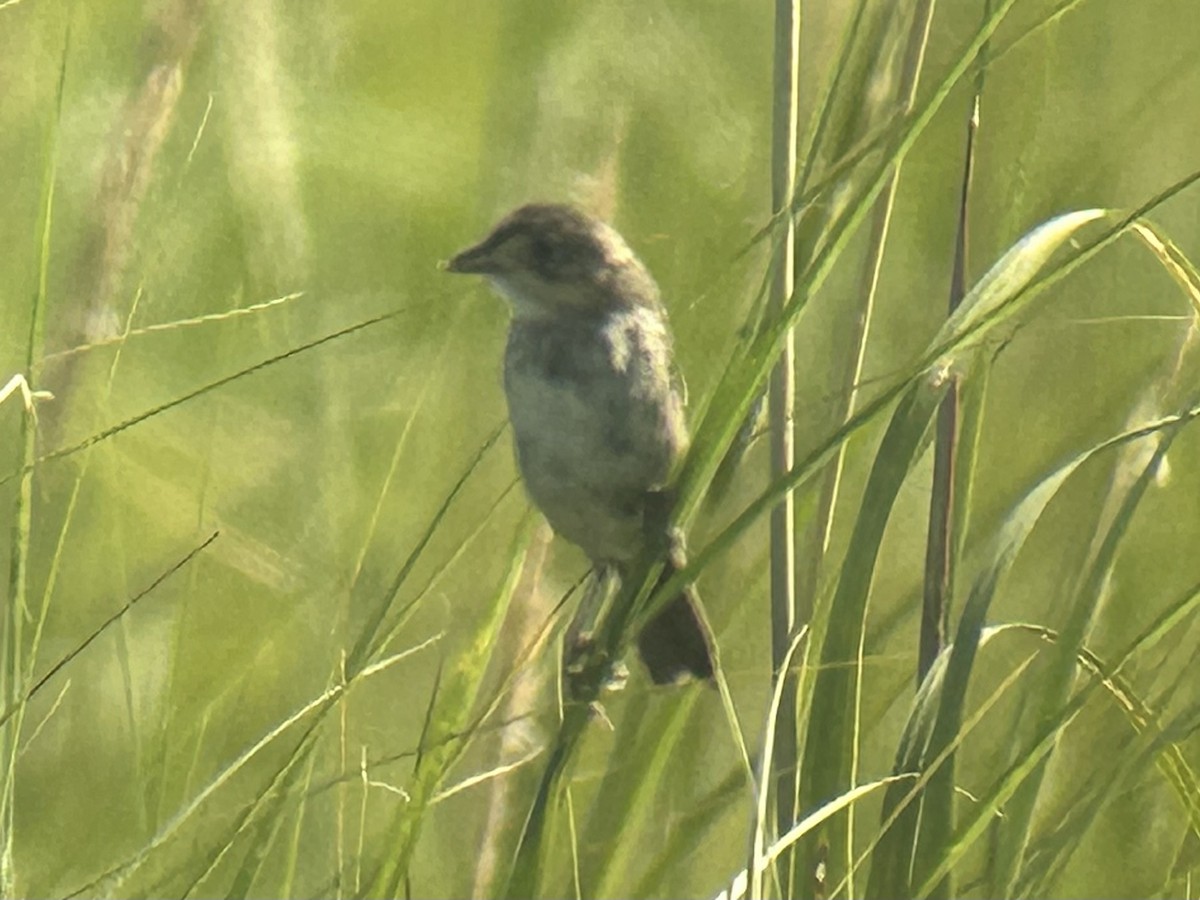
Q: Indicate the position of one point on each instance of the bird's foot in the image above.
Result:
(588, 671)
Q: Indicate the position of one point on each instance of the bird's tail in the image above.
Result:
(675, 645)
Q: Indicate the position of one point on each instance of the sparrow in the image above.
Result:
(595, 402)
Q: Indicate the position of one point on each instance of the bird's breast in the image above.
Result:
(597, 422)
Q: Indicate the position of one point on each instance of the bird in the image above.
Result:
(596, 404)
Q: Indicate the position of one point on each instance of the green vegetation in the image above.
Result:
(278, 620)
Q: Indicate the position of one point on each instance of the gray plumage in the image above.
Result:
(596, 408)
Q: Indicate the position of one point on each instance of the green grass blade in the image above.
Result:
(999, 555)
(444, 738)
(832, 725)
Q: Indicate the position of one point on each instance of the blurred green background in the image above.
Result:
(209, 157)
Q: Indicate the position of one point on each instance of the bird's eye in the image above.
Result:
(547, 254)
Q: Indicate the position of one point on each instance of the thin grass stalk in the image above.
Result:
(268, 803)
(770, 764)
(781, 402)
(526, 875)
(822, 527)
(947, 348)
(13, 671)
(940, 542)
(809, 542)
(11, 709)
(735, 393)
(1087, 598)
(113, 430)
(938, 851)
(939, 559)
(449, 718)
(526, 612)
(910, 79)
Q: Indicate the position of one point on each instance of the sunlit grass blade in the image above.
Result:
(109, 432)
(160, 327)
(998, 556)
(1053, 696)
(696, 822)
(1173, 260)
(1002, 292)
(737, 390)
(832, 728)
(1029, 268)
(262, 808)
(761, 832)
(13, 665)
(444, 738)
(372, 639)
(283, 782)
(1049, 854)
(67, 658)
(893, 851)
(804, 828)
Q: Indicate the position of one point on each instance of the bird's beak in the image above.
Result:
(477, 260)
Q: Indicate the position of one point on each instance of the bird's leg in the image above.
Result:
(583, 624)
(578, 641)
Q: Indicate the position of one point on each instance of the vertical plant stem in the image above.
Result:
(820, 530)
(938, 557)
(13, 671)
(527, 612)
(940, 543)
(781, 401)
(918, 40)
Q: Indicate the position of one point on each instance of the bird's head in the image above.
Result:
(552, 261)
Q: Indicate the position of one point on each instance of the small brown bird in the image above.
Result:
(595, 403)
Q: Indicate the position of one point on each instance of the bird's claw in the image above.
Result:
(588, 671)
